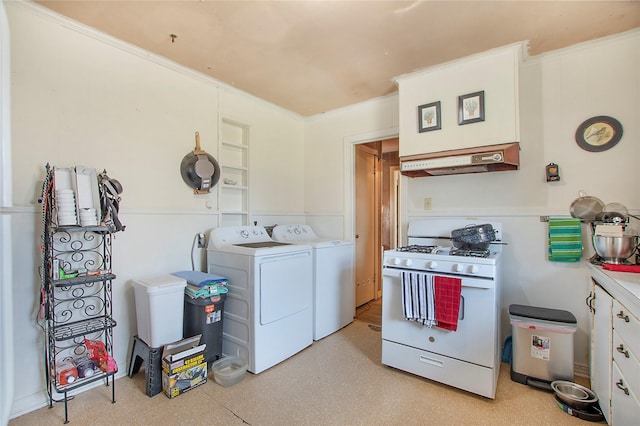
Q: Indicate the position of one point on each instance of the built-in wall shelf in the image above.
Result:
(233, 194)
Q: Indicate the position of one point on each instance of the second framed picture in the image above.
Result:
(429, 117)
(471, 108)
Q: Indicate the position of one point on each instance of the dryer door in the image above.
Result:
(286, 285)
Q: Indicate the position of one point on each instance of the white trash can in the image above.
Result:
(159, 309)
(542, 345)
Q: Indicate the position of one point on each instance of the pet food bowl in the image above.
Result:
(229, 370)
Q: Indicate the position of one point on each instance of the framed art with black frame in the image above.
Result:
(599, 133)
(429, 117)
(471, 108)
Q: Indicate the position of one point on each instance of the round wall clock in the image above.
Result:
(599, 133)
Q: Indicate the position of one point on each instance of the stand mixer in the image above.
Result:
(613, 239)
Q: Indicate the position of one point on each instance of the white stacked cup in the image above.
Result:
(88, 217)
(66, 207)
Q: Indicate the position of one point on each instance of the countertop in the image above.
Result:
(624, 286)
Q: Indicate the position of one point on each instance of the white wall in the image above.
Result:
(83, 98)
(329, 160)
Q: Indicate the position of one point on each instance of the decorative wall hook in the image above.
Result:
(553, 172)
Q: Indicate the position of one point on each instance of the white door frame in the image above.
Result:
(349, 170)
(6, 262)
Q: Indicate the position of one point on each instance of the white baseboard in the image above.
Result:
(581, 370)
(38, 400)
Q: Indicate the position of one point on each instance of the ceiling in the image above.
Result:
(314, 56)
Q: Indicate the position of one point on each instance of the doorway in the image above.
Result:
(367, 237)
(377, 215)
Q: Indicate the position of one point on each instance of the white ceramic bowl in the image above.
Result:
(67, 221)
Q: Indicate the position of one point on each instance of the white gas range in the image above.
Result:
(467, 354)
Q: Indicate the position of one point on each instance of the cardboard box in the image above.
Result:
(184, 366)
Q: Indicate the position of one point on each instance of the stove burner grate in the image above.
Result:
(444, 251)
(470, 252)
(418, 249)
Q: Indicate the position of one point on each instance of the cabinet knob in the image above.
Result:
(622, 351)
(620, 385)
(621, 315)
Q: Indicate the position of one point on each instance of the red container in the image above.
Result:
(66, 373)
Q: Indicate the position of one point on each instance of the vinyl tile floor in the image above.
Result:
(338, 380)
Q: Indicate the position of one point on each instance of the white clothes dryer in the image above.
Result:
(333, 286)
(268, 314)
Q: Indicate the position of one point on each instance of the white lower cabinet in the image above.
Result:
(625, 407)
(625, 384)
(615, 357)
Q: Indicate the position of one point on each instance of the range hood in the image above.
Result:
(482, 159)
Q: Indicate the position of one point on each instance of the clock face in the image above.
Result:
(599, 133)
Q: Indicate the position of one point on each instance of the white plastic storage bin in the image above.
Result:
(542, 345)
(159, 309)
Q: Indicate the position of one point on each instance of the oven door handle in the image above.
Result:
(461, 314)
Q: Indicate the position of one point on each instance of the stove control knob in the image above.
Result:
(458, 267)
(392, 261)
(432, 265)
(408, 262)
(244, 233)
(474, 269)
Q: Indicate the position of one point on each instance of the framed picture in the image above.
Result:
(471, 108)
(599, 133)
(429, 117)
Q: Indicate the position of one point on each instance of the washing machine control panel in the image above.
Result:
(237, 235)
(293, 233)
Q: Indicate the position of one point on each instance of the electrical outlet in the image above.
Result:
(427, 203)
(202, 240)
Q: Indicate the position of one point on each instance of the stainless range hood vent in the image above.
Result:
(492, 158)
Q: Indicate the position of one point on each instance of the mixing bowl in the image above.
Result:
(615, 249)
(573, 394)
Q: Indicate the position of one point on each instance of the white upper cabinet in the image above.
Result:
(494, 73)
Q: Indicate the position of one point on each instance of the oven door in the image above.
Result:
(476, 336)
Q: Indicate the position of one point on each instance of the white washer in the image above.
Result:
(268, 310)
(333, 288)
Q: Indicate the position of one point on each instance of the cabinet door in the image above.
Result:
(601, 356)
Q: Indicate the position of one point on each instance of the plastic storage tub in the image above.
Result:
(203, 315)
(159, 309)
(229, 370)
(542, 345)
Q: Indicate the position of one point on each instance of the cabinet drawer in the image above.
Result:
(627, 326)
(627, 361)
(625, 408)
